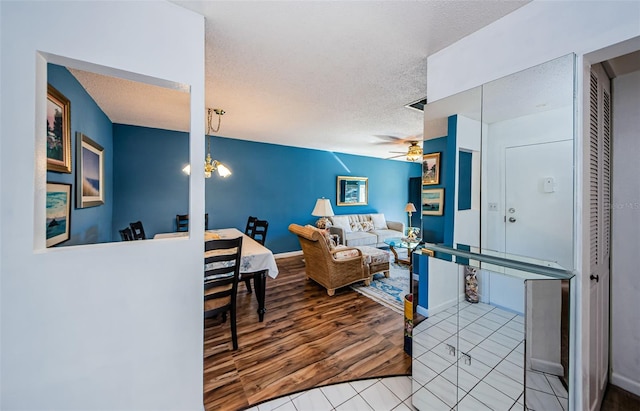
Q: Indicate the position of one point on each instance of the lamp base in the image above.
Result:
(323, 223)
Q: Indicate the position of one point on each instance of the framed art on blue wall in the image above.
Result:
(89, 172)
(352, 191)
(58, 216)
(431, 169)
(58, 131)
(432, 201)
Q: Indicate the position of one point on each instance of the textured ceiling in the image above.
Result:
(326, 75)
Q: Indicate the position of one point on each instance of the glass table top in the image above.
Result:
(398, 242)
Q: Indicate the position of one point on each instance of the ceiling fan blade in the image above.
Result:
(390, 139)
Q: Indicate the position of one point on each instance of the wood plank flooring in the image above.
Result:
(617, 399)
(307, 339)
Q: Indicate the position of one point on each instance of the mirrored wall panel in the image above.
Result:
(116, 149)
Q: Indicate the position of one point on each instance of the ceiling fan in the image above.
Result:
(413, 153)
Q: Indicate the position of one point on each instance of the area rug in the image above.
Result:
(390, 291)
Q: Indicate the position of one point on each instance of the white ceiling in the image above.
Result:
(328, 75)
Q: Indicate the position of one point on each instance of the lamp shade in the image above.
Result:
(410, 208)
(322, 208)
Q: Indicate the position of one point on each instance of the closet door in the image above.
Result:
(599, 233)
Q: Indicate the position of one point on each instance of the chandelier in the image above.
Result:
(211, 165)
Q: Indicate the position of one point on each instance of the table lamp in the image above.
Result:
(410, 208)
(323, 209)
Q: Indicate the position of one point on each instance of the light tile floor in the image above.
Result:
(376, 394)
(492, 379)
(494, 338)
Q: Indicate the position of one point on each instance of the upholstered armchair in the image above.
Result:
(331, 268)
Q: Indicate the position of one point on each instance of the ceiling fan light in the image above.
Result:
(414, 153)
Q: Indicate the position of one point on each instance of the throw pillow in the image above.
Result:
(379, 221)
(367, 226)
(355, 226)
(342, 222)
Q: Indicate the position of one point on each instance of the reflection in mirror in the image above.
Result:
(547, 344)
(527, 167)
(517, 133)
(508, 319)
(452, 128)
(128, 141)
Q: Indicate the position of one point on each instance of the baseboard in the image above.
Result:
(422, 311)
(288, 254)
(625, 383)
(548, 367)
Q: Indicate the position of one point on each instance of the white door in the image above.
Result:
(539, 201)
(599, 233)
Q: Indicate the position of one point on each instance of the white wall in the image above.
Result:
(545, 127)
(106, 326)
(467, 222)
(533, 34)
(625, 240)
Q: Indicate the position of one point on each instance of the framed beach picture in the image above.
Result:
(432, 201)
(431, 169)
(89, 172)
(58, 213)
(58, 131)
(352, 191)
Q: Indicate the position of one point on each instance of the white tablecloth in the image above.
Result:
(255, 256)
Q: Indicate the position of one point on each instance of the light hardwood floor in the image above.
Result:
(307, 339)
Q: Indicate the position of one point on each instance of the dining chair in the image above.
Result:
(206, 221)
(126, 234)
(260, 231)
(221, 276)
(251, 224)
(138, 230)
(256, 229)
(182, 222)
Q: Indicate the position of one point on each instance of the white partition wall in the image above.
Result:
(104, 326)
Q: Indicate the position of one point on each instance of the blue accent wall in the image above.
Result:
(149, 183)
(278, 183)
(439, 229)
(433, 226)
(464, 180)
(93, 224)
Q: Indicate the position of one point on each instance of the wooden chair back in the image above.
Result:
(138, 230)
(221, 275)
(182, 222)
(126, 234)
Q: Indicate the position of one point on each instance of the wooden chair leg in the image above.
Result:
(234, 329)
(247, 282)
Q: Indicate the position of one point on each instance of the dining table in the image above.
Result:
(256, 260)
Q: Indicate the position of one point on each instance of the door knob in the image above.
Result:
(595, 277)
(512, 219)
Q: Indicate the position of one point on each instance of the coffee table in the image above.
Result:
(397, 242)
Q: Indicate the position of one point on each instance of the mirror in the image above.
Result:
(527, 167)
(352, 191)
(112, 122)
(512, 141)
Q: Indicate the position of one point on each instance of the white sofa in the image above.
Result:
(364, 229)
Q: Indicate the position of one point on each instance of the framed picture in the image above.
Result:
(58, 213)
(58, 131)
(432, 201)
(431, 169)
(352, 191)
(89, 172)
